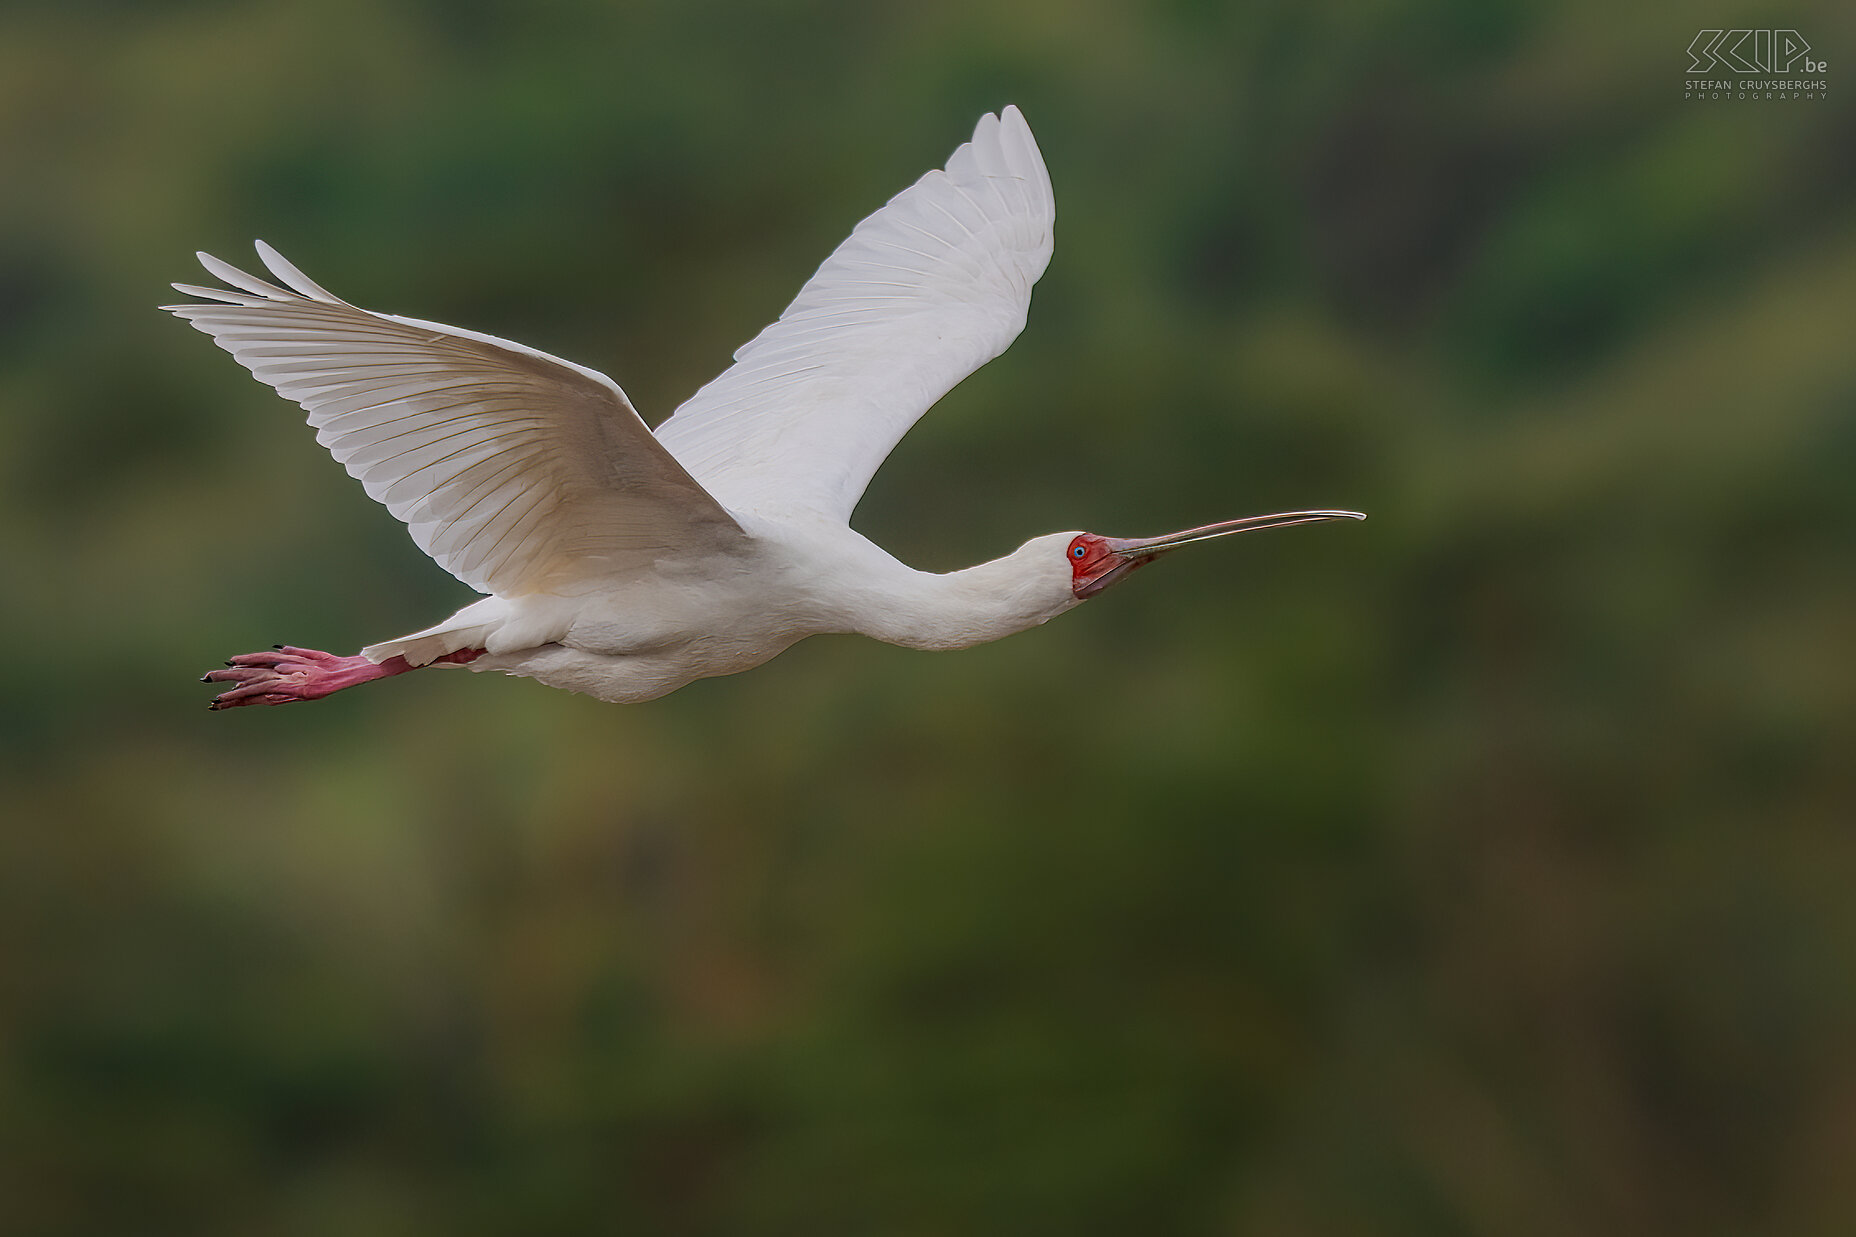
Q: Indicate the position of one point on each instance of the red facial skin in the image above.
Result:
(1097, 562)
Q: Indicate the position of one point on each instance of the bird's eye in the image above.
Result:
(1077, 551)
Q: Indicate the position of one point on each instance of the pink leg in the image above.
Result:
(289, 674)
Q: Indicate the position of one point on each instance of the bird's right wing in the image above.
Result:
(516, 471)
(924, 292)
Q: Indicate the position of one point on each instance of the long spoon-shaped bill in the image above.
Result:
(1150, 547)
(1117, 556)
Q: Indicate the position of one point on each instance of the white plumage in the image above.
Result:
(921, 294)
(625, 564)
(516, 471)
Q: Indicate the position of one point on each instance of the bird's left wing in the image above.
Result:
(516, 471)
(924, 292)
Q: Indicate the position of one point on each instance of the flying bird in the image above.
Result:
(624, 563)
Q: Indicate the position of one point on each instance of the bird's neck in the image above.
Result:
(921, 610)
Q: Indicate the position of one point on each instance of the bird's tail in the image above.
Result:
(422, 648)
(469, 628)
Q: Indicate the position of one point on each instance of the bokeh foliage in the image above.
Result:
(1487, 868)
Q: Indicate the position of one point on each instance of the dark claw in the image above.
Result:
(275, 646)
(207, 677)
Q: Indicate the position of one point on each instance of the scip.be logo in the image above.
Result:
(1751, 51)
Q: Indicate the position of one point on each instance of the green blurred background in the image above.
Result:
(1489, 868)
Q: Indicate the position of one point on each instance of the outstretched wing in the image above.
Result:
(923, 292)
(516, 471)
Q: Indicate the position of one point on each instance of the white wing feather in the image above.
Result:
(924, 292)
(516, 471)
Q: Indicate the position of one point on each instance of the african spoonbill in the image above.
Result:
(625, 564)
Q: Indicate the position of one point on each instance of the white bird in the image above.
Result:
(624, 564)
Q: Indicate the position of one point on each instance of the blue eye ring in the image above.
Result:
(1077, 551)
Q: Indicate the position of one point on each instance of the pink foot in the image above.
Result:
(288, 674)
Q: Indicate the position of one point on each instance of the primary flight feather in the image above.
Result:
(623, 563)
